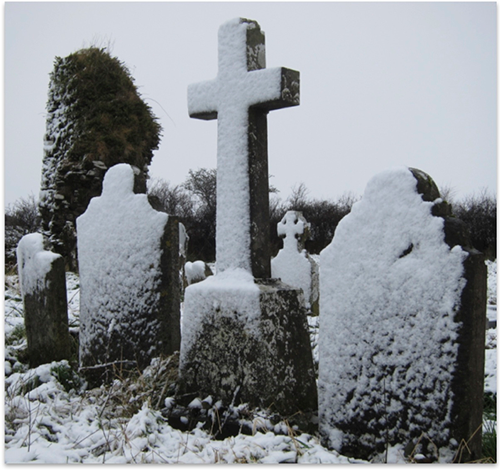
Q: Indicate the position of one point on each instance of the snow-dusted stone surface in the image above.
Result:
(292, 264)
(402, 335)
(128, 257)
(43, 286)
(247, 342)
(240, 97)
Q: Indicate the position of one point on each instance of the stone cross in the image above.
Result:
(294, 230)
(240, 97)
(292, 264)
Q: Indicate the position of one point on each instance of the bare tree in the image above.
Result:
(479, 212)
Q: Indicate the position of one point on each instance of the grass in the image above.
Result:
(490, 427)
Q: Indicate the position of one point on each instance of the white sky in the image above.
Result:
(382, 84)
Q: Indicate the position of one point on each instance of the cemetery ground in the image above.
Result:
(51, 415)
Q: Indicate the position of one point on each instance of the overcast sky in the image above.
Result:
(382, 84)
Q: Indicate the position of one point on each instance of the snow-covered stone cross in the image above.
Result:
(294, 230)
(240, 97)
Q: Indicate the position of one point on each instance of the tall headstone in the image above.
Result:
(403, 302)
(128, 256)
(292, 264)
(42, 279)
(245, 336)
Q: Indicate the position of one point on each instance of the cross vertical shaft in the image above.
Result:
(240, 97)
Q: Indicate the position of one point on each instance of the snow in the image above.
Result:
(389, 289)
(49, 425)
(119, 257)
(34, 263)
(230, 95)
(231, 291)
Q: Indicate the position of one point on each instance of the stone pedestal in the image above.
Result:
(247, 342)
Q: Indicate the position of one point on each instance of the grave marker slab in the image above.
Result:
(42, 279)
(128, 255)
(292, 264)
(403, 301)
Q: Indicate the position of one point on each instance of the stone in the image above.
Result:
(42, 279)
(128, 255)
(403, 308)
(292, 264)
(245, 336)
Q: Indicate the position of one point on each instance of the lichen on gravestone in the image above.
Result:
(129, 276)
(403, 305)
(42, 279)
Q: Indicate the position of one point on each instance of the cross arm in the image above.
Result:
(289, 94)
(202, 100)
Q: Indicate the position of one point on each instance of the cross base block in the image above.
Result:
(264, 359)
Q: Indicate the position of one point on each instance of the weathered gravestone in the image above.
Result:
(403, 301)
(128, 256)
(42, 279)
(292, 264)
(245, 336)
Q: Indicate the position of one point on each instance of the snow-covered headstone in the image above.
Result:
(245, 336)
(401, 344)
(42, 279)
(292, 264)
(128, 255)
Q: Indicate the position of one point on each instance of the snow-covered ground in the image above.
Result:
(50, 419)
